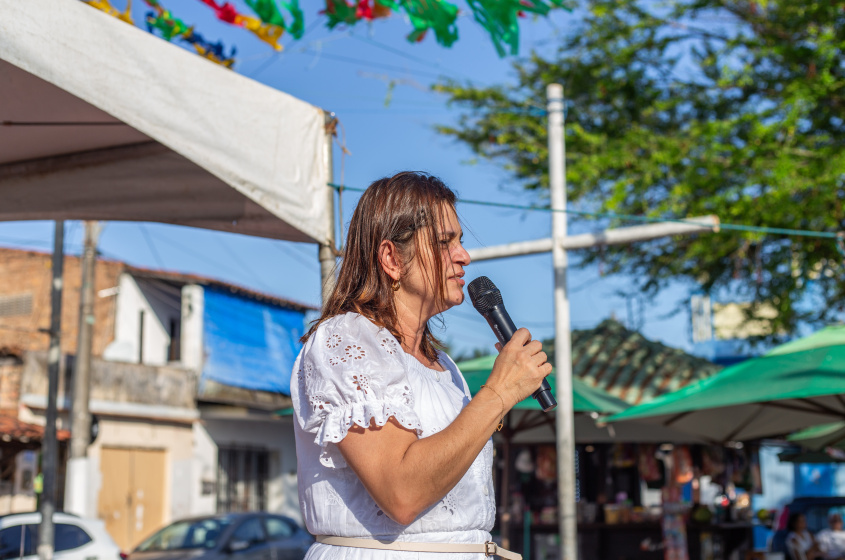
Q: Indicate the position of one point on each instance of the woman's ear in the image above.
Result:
(388, 258)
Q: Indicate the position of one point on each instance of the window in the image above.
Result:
(183, 535)
(15, 539)
(174, 349)
(141, 336)
(16, 305)
(69, 537)
(278, 528)
(250, 532)
(242, 477)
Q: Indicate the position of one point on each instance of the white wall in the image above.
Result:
(131, 300)
(778, 479)
(205, 470)
(193, 309)
(277, 437)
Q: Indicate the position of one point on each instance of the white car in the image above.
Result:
(75, 538)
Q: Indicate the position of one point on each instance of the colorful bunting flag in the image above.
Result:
(105, 6)
(436, 15)
(269, 13)
(270, 33)
(500, 18)
(170, 28)
(339, 12)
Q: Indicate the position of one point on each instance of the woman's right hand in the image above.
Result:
(519, 369)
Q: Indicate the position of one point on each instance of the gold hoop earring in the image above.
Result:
(395, 285)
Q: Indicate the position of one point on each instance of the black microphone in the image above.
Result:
(487, 300)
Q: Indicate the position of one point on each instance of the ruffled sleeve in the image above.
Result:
(351, 372)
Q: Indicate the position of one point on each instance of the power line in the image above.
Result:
(397, 52)
(148, 239)
(340, 58)
(642, 219)
(243, 265)
(213, 263)
(36, 242)
(297, 256)
(266, 64)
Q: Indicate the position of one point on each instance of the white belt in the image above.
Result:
(488, 548)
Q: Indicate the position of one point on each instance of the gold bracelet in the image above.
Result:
(502, 421)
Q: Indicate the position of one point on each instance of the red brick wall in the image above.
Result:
(24, 272)
(10, 384)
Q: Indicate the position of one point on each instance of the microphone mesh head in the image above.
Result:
(484, 294)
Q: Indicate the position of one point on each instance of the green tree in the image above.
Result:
(725, 107)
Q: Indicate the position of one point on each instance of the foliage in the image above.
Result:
(725, 107)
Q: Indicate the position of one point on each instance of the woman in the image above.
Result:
(393, 453)
(799, 541)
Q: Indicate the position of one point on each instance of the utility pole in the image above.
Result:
(563, 361)
(76, 488)
(49, 445)
(558, 244)
(327, 253)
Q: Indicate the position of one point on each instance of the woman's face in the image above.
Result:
(422, 284)
(800, 523)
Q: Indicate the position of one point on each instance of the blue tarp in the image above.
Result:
(249, 344)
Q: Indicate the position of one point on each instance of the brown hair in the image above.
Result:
(405, 209)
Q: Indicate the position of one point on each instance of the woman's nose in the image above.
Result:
(461, 256)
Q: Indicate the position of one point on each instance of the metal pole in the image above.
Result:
(327, 250)
(563, 354)
(49, 445)
(616, 236)
(77, 476)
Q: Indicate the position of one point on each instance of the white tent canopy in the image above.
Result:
(103, 121)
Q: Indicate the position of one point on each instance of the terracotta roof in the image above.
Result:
(12, 429)
(629, 366)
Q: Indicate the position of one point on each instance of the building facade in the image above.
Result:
(189, 386)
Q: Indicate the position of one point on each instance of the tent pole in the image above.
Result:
(49, 446)
(327, 252)
(563, 358)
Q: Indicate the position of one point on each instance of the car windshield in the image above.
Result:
(817, 516)
(203, 533)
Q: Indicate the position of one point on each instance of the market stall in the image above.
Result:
(622, 472)
(631, 497)
(793, 386)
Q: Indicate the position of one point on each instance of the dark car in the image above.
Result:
(815, 508)
(234, 536)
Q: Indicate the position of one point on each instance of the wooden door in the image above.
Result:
(131, 500)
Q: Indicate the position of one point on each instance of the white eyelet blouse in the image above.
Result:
(351, 371)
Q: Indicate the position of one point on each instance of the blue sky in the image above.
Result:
(387, 129)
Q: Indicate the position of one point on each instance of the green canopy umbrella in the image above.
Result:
(584, 397)
(526, 423)
(819, 437)
(794, 386)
